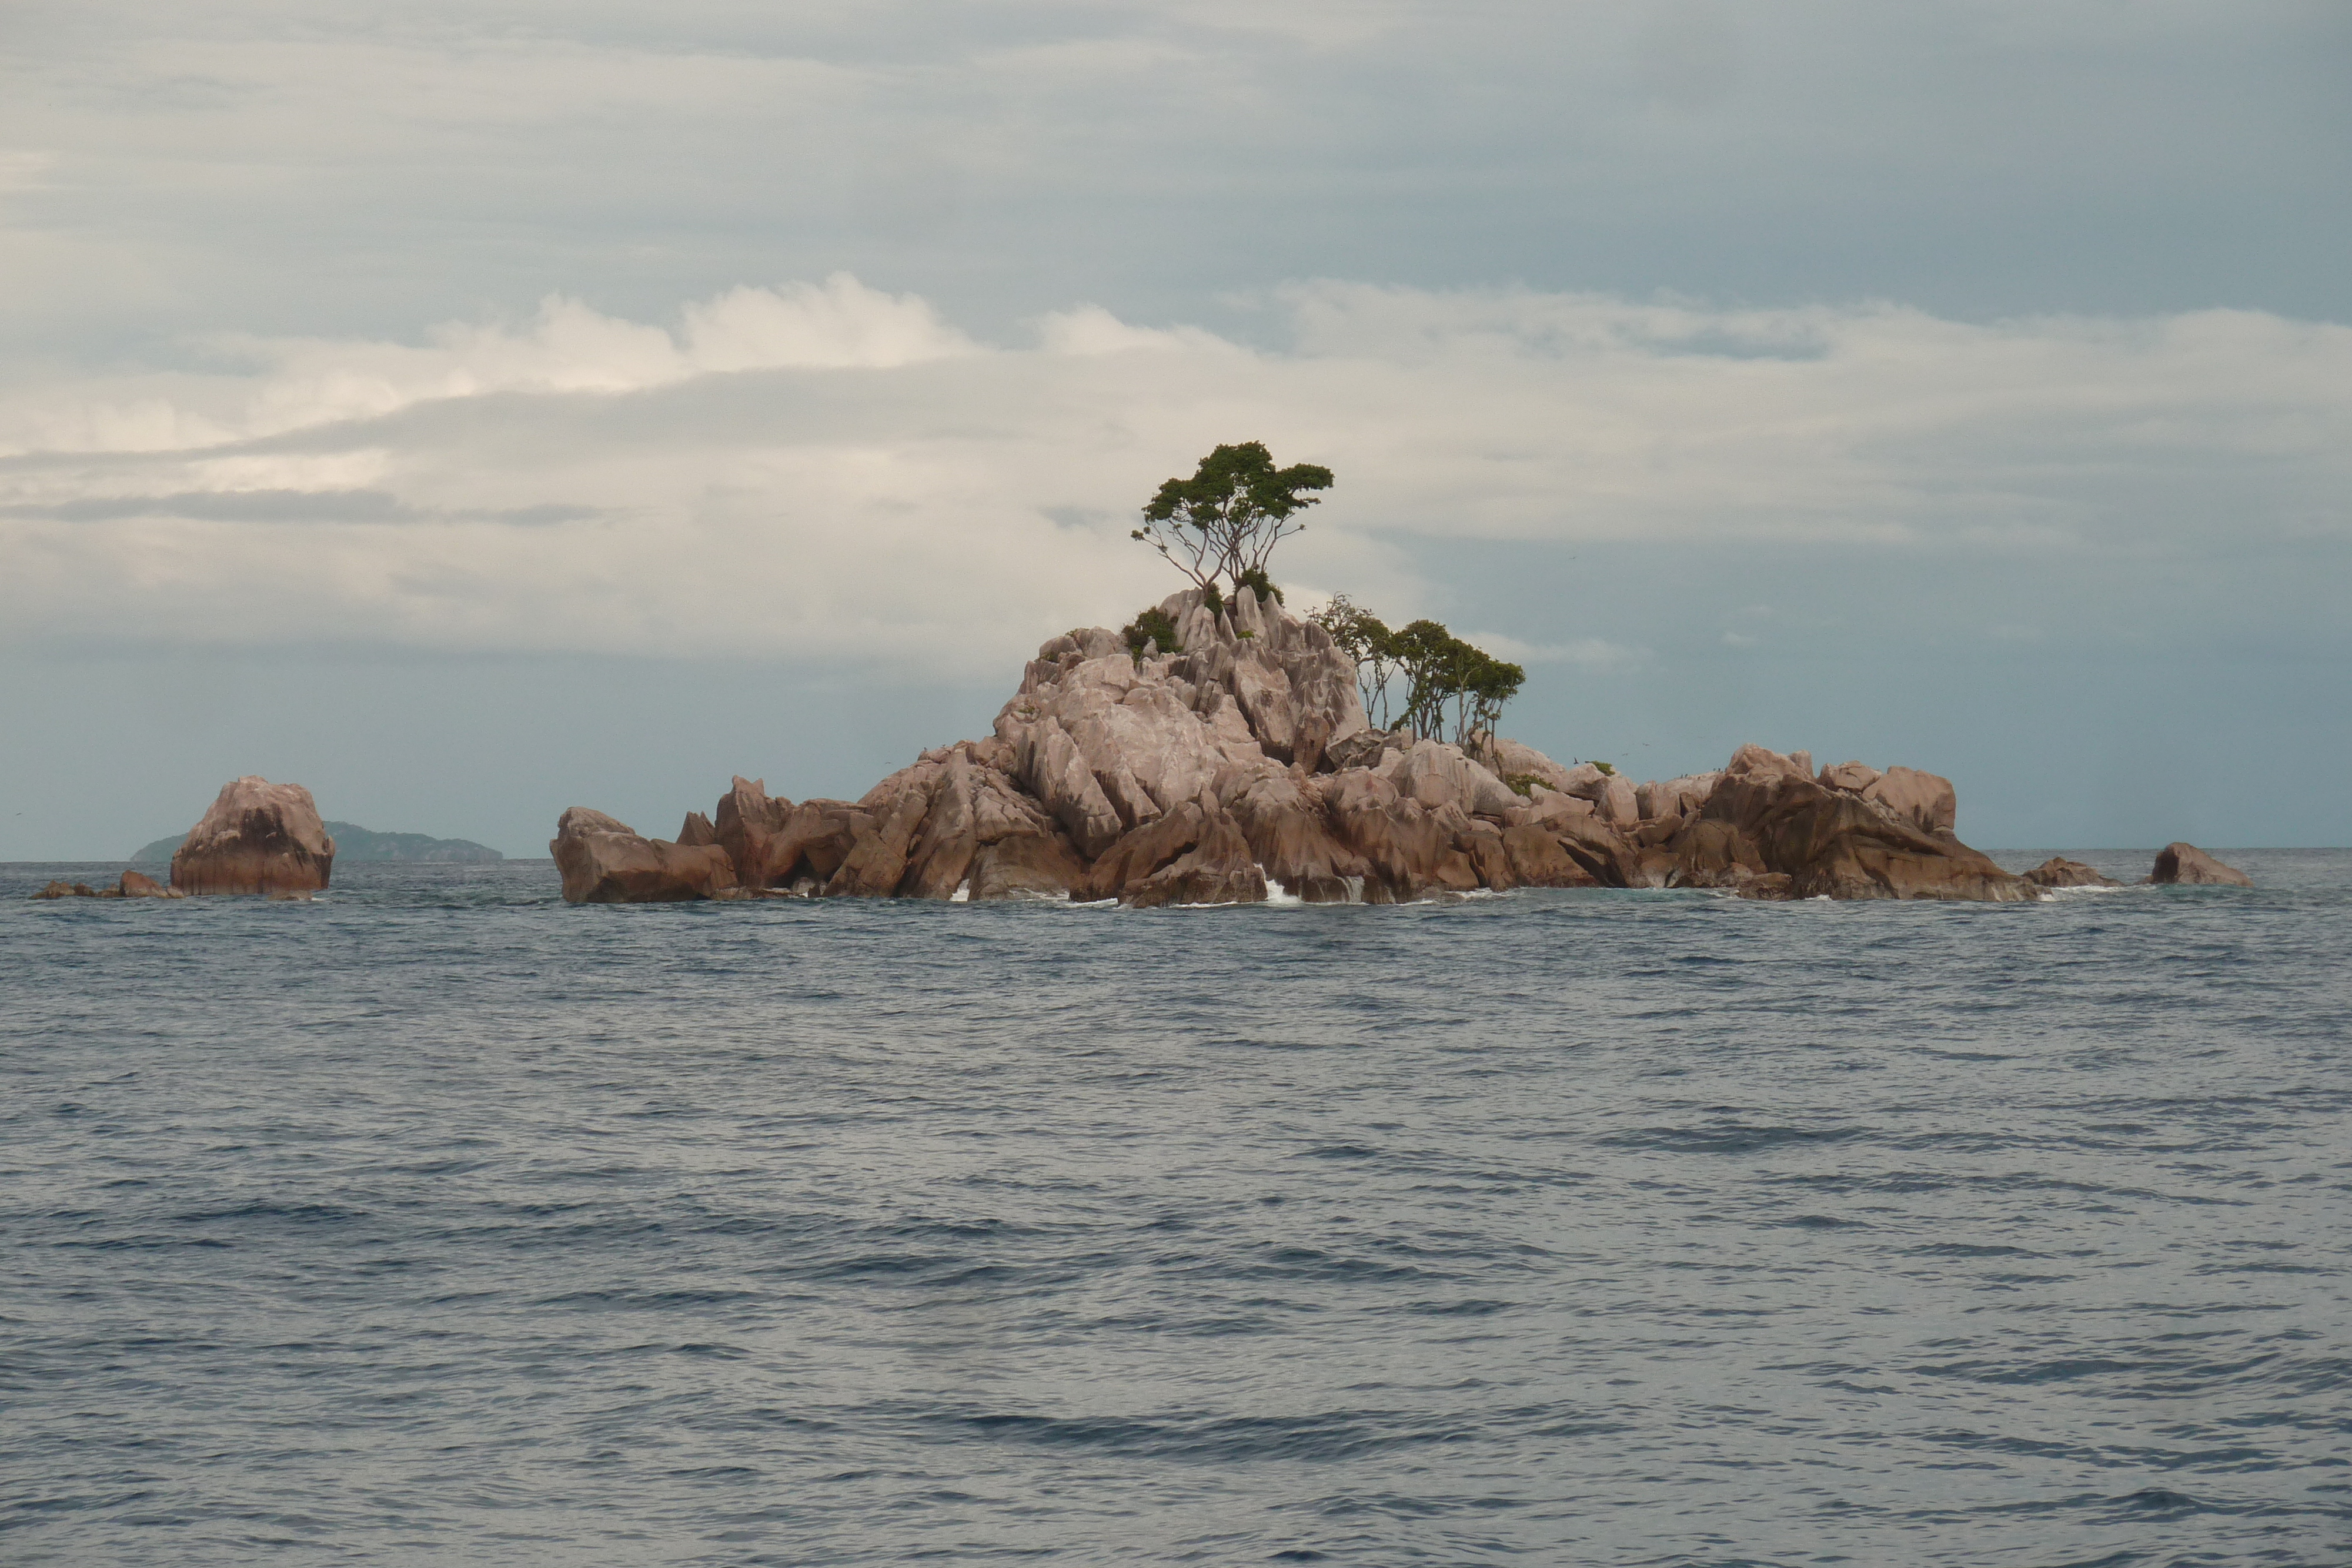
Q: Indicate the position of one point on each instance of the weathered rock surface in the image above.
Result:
(1854, 775)
(2186, 863)
(257, 838)
(1285, 820)
(1238, 760)
(1436, 775)
(747, 824)
(815, 838)
(1524, 764)
(608, 861)
(1539, 860)
(1770, 830)
(2060, 871)
(1671, 799)
(1216, 870)
(1924, 797)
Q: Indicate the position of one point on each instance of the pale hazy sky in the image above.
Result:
(474, 410)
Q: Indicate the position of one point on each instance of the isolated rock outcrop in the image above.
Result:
(257, 838)
(2060, 871)
(1770, 829)
(1238, 761)
(2180, 862)
(606, 862)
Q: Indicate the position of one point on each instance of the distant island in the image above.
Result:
(354, 843)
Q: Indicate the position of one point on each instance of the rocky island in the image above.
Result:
(1221, 750)
(257, 838)
(1241, 761)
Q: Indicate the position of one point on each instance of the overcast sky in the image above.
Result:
(474, 410)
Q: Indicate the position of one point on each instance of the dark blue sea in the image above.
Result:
(439, 1222)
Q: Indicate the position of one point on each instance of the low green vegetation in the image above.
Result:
(1153, 626)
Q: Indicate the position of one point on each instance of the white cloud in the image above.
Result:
(1590, 653)
(841, 325)
(830, 470)
(566, 347)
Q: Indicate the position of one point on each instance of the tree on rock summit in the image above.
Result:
(1227, 518)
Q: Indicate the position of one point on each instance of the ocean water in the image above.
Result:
(439, 1222)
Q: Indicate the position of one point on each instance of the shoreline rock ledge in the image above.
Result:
(1241, 762)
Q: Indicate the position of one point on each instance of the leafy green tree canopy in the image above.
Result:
(1365, 638)
(1225, 520)
(1443, 675)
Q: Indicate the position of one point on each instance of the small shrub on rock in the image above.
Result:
(1256, 580)
(1151, 626)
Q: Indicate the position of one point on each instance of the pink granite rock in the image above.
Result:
(2060, 871)
(257, 838)
(607, 862)
(2180, 862)
(1926, 799)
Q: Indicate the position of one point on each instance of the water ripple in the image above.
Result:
(437, 1221)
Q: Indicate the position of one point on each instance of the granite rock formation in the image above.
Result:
(257, 838)
(132, 884)
(1770, 829)
(2179, 862)
(1239, 762)
(606, 861)
(2060, 871)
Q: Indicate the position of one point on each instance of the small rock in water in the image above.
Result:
(2179, 862)
(257, 838)
(2060, 871)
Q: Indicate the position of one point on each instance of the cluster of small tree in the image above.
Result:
(1441, 675)
(1222, 525)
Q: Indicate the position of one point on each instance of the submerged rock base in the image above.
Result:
(133, 885)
